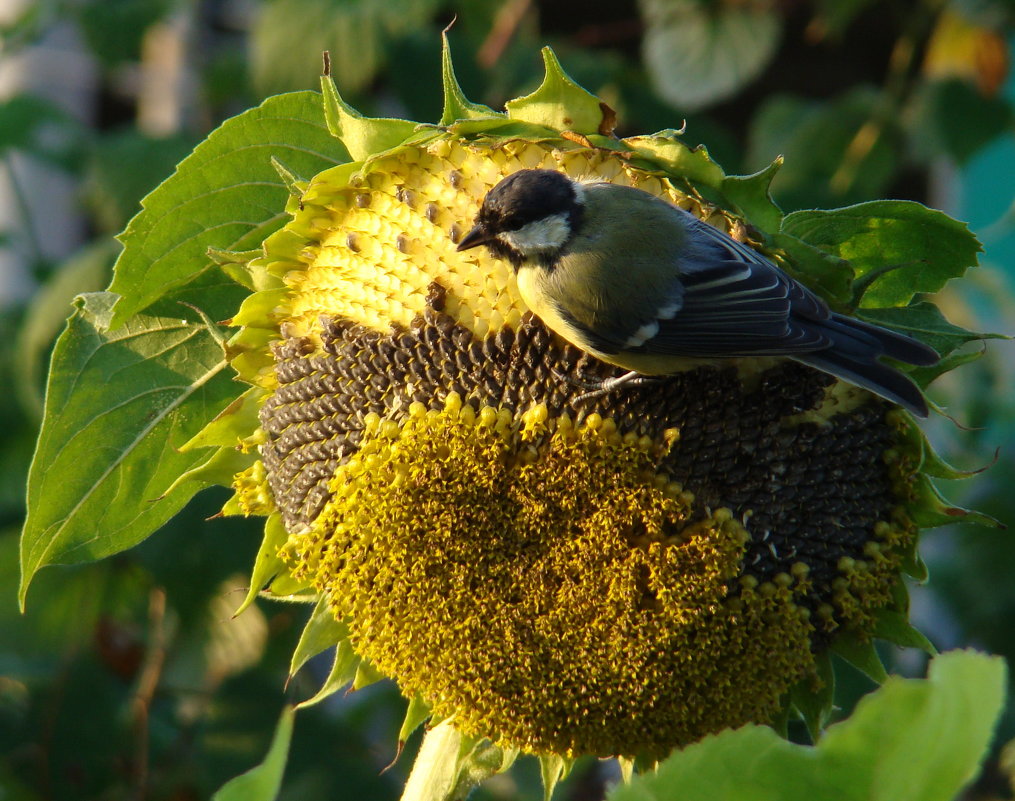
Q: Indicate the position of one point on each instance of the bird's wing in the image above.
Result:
(737, 303)
(741, 308)
(699, 294)
(711, 247)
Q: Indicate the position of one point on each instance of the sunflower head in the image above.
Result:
(563, 574)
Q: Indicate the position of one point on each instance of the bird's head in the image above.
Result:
(527, 217)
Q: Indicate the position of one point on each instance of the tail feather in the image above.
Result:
(853, 357)
(895, 345)
(871, 375)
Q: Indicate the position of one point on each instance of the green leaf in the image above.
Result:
(117, 406)
(925, 375)
(416, 712)
(667, 147)
(33, 125)
(925, 322)
(344, 668)
(886, 232)
(894, 626)
(860, 652)
(267, 564)
(438, 765)
(954, 118)
(234, 423)
(456, 105)
(911, 740)
(700, 53)
(752, 195)
(450, 765)
(815, 704)
(924, 740)
(829, 274)
(218, 469)
(552, 769)
(321, 632)
(833, 155)
(361, 136)
(357, 33)
(262, 783)
(931, 509)
(225, 195)
(559, 103)
(86, 271)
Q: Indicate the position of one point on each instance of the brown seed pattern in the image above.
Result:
(809, 493)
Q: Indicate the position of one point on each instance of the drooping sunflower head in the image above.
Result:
(565, 574)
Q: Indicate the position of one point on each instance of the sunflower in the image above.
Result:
(545, 571)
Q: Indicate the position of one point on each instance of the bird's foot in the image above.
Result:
(598, 388)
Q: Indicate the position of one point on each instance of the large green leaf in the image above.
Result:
(225, 195)
(118, 405)
(925, 245)
(700, 53)
(912, 740)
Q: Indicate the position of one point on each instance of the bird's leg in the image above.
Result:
(574, 381)
(603, 386)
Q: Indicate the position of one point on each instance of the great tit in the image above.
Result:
(646, 286)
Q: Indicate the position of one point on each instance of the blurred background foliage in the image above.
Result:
(129, 679)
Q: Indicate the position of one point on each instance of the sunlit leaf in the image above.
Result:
(118, 405)
(929, 246)
(263, 782)
(225, 195)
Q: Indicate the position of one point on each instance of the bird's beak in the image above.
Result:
(477, 236)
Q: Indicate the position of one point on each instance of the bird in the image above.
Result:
(643, 285)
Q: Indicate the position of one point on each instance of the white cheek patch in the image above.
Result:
(549, 233)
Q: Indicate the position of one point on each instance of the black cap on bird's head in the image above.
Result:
(529, 215)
